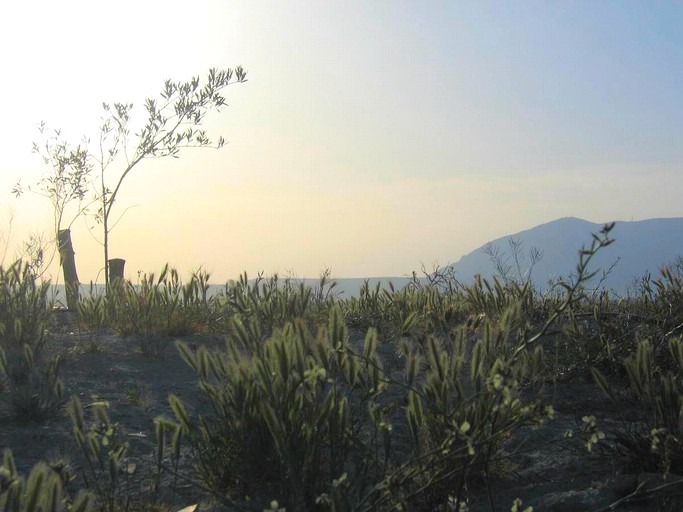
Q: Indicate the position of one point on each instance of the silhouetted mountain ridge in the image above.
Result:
(639, 247)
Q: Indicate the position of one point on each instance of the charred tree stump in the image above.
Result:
(115, 286)
(68, 262)
(116, 267)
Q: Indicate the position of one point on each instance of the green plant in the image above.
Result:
(461, 414)
(415, 310)
(135, 313)
(104, 452)
(42, 492)
(284, 414)
(423, 411)
(658, 444)
(287, 417)
(140, 396)
(92, 317)
(170, 126)
(158, 308)
(319, 420)
(30, 393)
(265, 304)
(65, 184)
(592, 434)
(493, 300)
(23, 308)
(184, 308)
(107, 472)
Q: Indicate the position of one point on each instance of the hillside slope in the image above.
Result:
(639, 247)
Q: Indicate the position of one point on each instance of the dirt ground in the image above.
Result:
(548, 470)
(135, 386)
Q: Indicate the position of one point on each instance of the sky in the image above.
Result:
(371, 138)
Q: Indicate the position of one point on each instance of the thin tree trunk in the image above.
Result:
(68, 262)
(106, 251)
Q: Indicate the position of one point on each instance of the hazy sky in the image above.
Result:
(370, 137)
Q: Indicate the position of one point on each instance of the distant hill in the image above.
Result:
(639, 247)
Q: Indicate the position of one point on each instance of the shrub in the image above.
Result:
(92, 317)
(30, 393)
(31, 389)
(657, 441)
(107, 472)
(157, 308)
(460, 414)
(299, 415)
(319, 421)
(415, 310)
(307, 418)
(271, 302)
(284, 418)
(23, 308)
(43, 491)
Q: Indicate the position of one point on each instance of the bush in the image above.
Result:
(309, 419)
(284, 419)
(92, 317)
(23, 308)
(317, 420)
(415, 310)
(158, 308)
(656, 442)
(31, 394)
(268, 304)
(300, 415)
(107, 472)
(43, 491)
(460, 414)
(31, 389)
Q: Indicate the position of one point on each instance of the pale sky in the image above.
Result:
(370, 138)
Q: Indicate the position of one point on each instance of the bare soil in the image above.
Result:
(135, 386)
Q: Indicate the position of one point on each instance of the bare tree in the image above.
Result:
(65, 186)
(171, 125)
(501, 260)
(173, 121)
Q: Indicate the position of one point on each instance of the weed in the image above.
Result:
(107, 472)
(31, 394)
(159, 308)
(140, 396)
(42, 491)
(23, 308)
(92, 318)
(659, 393)
(282, 420)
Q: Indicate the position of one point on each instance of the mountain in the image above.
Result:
(639, 247)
